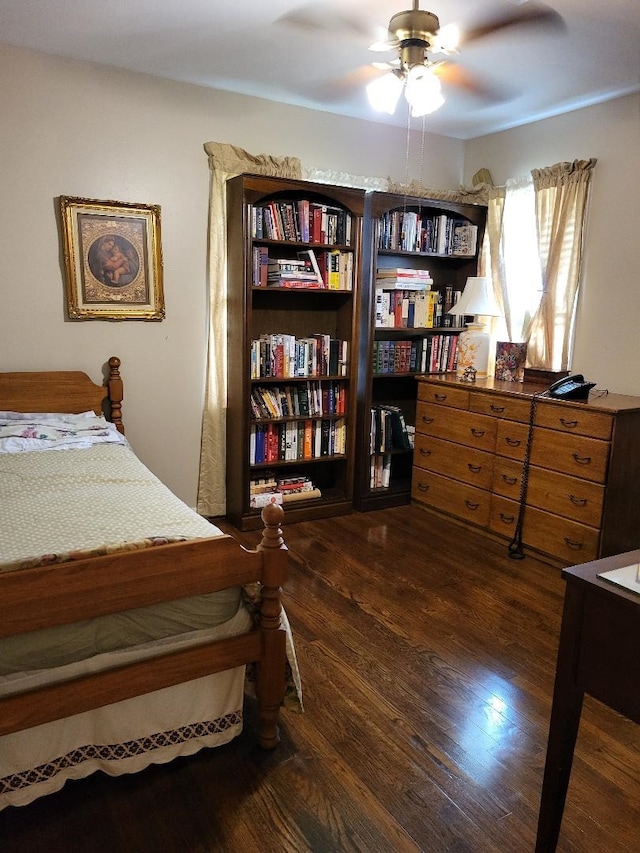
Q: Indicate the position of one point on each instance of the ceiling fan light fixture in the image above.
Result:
(422, 90)
(384, 93)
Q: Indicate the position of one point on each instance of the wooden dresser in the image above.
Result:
(583, 492)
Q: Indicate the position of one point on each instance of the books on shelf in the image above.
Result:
(405, 309)
(301, 221)
(413, 231)
(401, 278)
(288, 272)
(380, 471)
(304, 439)
(388, 430)
(282, 355)
(265, 491)
(433, 354)
(305, 399)
(331, 269)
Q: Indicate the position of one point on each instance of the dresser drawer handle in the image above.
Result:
(508, 519)
(478, 433)
(510, 481)
(426, 420)
(571, 543)
(424, 452)
(440, 397)
(470, 505)
(568, 424)
(578, 501)
(582, 460)
(495, 408)
(424, 487)
(475, 469)
(513, 442)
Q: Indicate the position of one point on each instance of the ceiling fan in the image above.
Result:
(416, 36)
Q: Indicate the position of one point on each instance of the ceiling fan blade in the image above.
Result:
(529, 15)
(381, 46)
(452, 74)
(334, 91)
(314, 18)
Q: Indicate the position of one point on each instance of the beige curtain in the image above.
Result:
(491, 262)
(562, 195)
(463, 195)
(225, 161)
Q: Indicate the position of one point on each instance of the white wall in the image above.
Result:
(607, 343)
(69, 128)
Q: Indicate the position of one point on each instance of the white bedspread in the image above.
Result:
(54, 502)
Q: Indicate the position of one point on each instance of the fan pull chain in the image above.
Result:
(424, 132)
(406, 161)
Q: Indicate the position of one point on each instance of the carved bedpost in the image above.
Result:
(270, 685)
(114, 384)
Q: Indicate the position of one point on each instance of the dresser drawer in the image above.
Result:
(576, 419)
(565, 540)
(582, 457)
(570, 497)
(459, 499)
(511, 439)
(466, 428)
(443, 395)
(452, 460)
(577, 455)
(500, 406)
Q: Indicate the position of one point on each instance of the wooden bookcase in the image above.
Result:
(325, 438)
(389, 218)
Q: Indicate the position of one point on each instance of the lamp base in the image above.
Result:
(473, 351)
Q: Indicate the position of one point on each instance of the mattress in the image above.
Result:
(98, 499)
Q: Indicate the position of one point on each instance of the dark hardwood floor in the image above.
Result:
(428, 659)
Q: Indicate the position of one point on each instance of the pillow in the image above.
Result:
(56, 432)
(48, 416)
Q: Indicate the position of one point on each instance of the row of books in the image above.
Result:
(388, 430)
(326, 270)
(411, 231)
(433, 354)
(380, 471)
(304, 439)
(308, 399)
(301, 221)
(281, 490)
(406, 309)
(284, 356)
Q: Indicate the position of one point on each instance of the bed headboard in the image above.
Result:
(64, 391)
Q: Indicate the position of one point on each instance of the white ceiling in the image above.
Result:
(250, 47)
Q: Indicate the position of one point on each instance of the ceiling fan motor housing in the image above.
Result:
(414, 25)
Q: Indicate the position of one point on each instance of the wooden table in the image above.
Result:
(599, 654)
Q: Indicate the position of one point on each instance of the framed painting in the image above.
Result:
(113, 260)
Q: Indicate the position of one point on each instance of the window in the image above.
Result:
(521, 259)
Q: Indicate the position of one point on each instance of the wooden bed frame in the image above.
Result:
(60, 594)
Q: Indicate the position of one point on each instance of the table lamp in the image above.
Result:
(474, 341)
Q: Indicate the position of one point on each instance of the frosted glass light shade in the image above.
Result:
(385, 92)
(422, 90)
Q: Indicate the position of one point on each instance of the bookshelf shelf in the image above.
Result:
(293, 323)
(429, 254)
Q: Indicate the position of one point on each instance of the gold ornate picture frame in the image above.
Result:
(113, 260)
